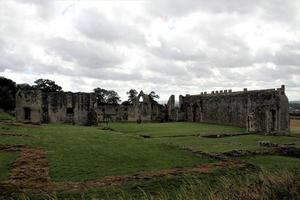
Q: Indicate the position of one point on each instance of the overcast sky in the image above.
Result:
(171, 47)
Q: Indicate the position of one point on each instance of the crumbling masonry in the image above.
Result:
(261, 111)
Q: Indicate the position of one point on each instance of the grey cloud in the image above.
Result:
(89, 55)
(287, 55)
(93, 48)
(12, 58)
(182, 49)
(220, 51)
(279, 10)
(98, 26)
(108, 74)
(45, 9)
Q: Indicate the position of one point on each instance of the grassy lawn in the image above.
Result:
(81, 153)
(171, 129)
(77, 153)
(6, 159)
(245, 142)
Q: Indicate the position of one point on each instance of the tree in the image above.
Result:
(100, 95)
(153, 96)
(47, 85)
(24, 86)
(112, 97)
(104, 96)
(132, 94)
(7, 93)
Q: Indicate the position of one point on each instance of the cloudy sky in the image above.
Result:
(169, 46)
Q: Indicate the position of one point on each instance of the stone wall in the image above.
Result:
(142, 109)
(56, 107)
(263, 111)
(28, 106)
(258, 111)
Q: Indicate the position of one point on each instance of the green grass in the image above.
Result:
(274, 162)
(82, 153)
(6, 116)
(77, 153)
(6, 159)
(245, 142)
(171, 129)
(248, 185)
(162, 133)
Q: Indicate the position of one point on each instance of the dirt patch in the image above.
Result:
(145, 136)
(13, 123)
(144, 176)
(13, 147)
(168, 136)
(14, 134)
(221, 135)
(30, 170)
(105, 128)
(282, 151)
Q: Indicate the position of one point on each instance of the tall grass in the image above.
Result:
(282, 184)
(263, 185)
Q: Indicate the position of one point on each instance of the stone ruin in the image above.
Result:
(259, 111)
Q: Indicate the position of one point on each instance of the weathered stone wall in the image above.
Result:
(142, 109)
(258, 111)
(56, 107)
(28, 106)
(67, 107)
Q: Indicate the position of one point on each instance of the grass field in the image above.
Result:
(79, 153)
(172, 129)
(84, 153)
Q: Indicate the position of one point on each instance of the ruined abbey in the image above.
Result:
(259, 111)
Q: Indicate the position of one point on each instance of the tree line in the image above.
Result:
(8, 89)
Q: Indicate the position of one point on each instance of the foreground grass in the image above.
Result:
(253, 185)
(78, 153)
(281, 184)
(6, 160)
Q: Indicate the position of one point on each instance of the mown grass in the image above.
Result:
(172, 129)
(6, 160)
(218, 145)
(78, 153)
